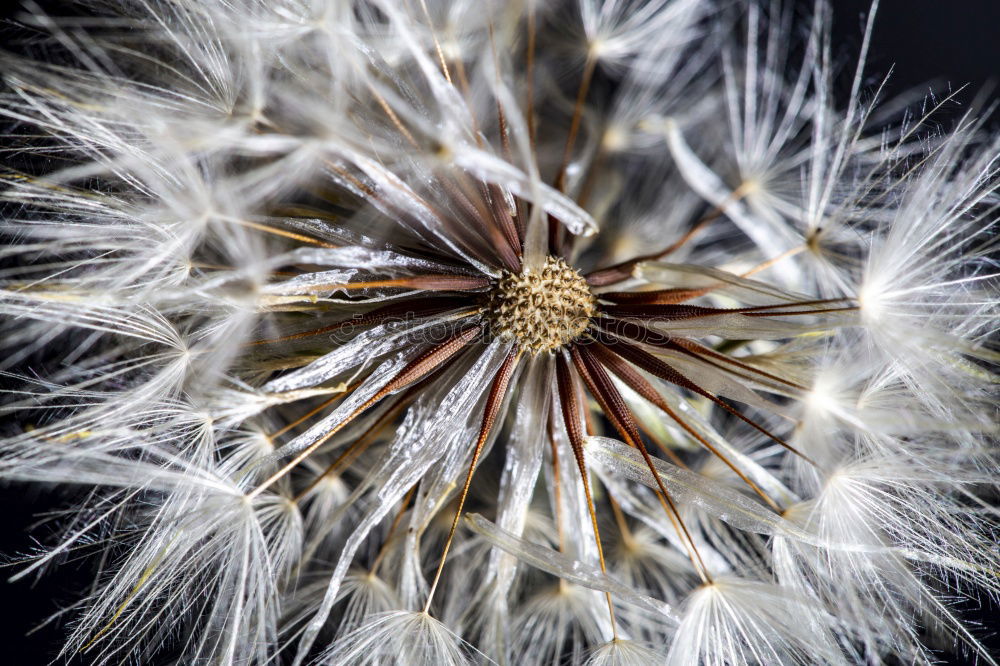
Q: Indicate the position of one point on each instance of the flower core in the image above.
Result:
(542, 309)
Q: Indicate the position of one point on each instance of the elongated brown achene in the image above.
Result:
(569, 401)
(412, 372)
(635, 381)
(415, 308)
(611, 401)
(637, 332)
(494, 400)
(663, 370)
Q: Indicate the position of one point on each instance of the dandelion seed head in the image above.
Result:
(703, 354)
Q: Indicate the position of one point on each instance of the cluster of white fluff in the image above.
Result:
(197, 180)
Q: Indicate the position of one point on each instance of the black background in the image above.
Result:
(932, 45)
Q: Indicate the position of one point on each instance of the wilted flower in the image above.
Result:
(703, 358)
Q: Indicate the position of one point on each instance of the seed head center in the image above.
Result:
(541, 310)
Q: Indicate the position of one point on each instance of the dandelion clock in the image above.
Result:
(487, 332)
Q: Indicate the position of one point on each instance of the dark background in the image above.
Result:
(932, 45)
